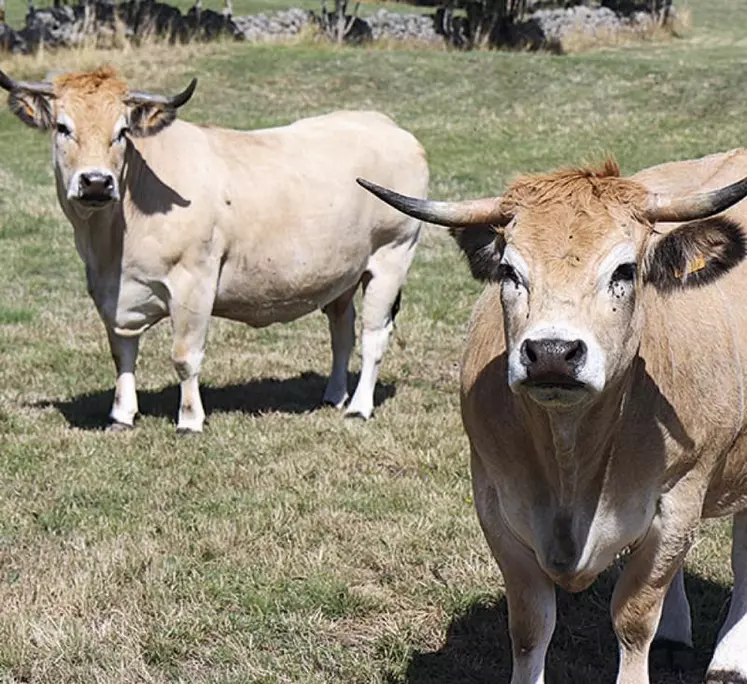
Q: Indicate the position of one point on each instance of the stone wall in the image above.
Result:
(135, 19)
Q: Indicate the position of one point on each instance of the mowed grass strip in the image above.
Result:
(285, 544)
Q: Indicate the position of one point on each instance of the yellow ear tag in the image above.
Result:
(697, 264)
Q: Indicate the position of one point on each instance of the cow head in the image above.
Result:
(91, 115)
(571, 252)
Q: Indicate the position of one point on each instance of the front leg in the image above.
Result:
(190, 334)
(639, 594)
(190, 308)
(529, 592)
(124, 352)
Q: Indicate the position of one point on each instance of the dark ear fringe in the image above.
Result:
(148, 119)
(483, 247)
(696, 254)
(33, 110)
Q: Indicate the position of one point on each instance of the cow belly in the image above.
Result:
(262, 299)
(727, 491)
(261, 314)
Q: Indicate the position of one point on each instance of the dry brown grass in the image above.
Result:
(652, 32)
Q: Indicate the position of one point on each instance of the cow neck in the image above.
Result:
(102, 234)
(98, 234)
(576, 444)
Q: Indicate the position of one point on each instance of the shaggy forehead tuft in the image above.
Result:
(577, 188)
(102, 81)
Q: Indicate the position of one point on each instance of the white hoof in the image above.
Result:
(189, 425)
(354, 411)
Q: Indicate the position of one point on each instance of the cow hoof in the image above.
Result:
(184, 431)
(332, 402)
(360, 415)
(671, 655)
(335, 396)
(116, 426)
(725, 677)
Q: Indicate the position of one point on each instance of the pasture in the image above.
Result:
(286, 544)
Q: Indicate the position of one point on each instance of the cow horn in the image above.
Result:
(692, 207)
(453, 214)
(42, 88)
(175, 101)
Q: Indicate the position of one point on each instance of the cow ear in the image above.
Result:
(149, 118)
(695, 253)
(34, 109)
(483, 246)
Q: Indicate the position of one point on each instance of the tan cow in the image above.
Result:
(603, 394)
(256, 226)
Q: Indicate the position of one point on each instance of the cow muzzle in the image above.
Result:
(93, 188)
(552, 369)
(557, 367)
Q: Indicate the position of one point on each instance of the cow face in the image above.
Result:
(91, 116)
(572, 253)
(569, 300)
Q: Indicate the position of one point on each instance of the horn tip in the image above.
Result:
(6, 82)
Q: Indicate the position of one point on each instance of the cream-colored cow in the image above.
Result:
(183, 220)
(603, 393)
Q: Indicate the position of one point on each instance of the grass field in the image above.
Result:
(286, 544)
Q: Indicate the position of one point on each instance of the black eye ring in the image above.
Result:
(62, 129)
(624, 273)
(508, 272)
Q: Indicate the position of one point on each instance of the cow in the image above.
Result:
(187, 221)
(603, 393)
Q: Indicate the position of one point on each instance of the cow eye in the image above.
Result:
(624, 273)
(122, 134)
(507, 272)
(62, 129)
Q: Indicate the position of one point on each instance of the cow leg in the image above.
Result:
(529, 592)
(639, 594)
(387, 270)
(673, 642)
(729, 662)
(190, 326)
(341, 317)
(124, 352)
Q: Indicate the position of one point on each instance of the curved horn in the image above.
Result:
(453, 214)
(175, 101)
(692, 207)
(43, 88)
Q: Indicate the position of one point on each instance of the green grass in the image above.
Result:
(285, 544)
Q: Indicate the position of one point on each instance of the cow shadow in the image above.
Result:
(300, 394)
(160, 198)
(477, 649)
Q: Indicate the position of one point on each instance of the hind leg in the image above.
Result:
(341, 317)
(729, 663)
(381, 293)
(673, 643)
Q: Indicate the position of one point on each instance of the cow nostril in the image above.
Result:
(529, 353)
(85, 180)
(108, 182)
(576, 352)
